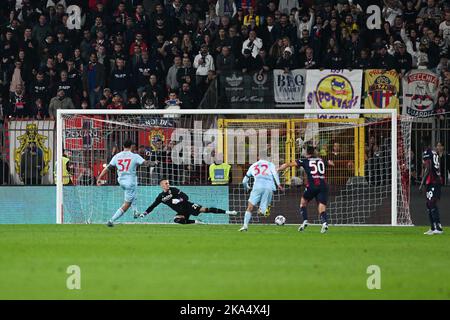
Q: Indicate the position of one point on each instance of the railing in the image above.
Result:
(20, 166)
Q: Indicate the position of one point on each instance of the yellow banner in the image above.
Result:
(381, 89)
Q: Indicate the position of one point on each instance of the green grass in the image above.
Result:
(218, 262)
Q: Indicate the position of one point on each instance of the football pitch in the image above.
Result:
(218, 262)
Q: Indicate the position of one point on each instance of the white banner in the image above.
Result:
(21, 134)
(333, 89)
(420, 91)
(289, 87)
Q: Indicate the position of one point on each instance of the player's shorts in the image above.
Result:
(261, 197)
(192, 209)
(319, 193)
(188, 210)
(129, 192)
(433, 192)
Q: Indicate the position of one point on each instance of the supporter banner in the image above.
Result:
(244, 90)
(333, 89)
(23, 135)
(289, 87)
(420, 90)
(150, 138)
(381, 88)
(84, 133)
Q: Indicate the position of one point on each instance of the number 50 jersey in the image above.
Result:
(315, 171)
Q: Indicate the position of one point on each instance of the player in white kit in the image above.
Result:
(266, 182)
(126, 163)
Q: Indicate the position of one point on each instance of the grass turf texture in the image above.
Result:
(218, 262)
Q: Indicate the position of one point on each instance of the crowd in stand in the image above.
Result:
(156, 53)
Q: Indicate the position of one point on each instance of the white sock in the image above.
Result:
(247, 217)
(117, 215)
(134, 207)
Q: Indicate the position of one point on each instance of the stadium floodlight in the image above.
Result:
(369, 184)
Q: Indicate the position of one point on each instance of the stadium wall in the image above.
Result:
(36, 204)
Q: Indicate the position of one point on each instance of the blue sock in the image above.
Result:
(247, 217)
(304, 213)
(117, 215)
(133, 207)
(324, 217)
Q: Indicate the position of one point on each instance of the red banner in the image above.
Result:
(84, 133)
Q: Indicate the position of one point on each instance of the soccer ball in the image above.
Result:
(280, 220)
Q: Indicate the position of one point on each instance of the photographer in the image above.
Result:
(203, 63)
(253, 43)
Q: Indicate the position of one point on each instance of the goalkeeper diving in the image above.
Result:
(126, 163)
(266, 182)
(179, 202)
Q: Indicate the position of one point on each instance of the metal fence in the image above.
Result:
(27, 152)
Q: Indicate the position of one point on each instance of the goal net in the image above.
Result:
(369, 183)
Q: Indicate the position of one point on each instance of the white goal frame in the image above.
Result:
(61, 112)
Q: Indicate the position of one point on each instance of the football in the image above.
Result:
(280, 220)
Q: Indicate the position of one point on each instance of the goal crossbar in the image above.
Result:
(392, 113)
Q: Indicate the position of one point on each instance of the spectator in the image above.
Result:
(93, 80)
(236, 42)
(334, 59)
(142, 72)
(383, 60)
(5, 177)
(120, 79)
(65, 84)
(16, 77)
(171, 79)
(117, 102)
(403, 59)
(253, 43)
(286, 61)
(172, 100)
(431, 11)
(308, 60)
(248, 64)
(154, 90)
(187, 98)
(303, 22)
(444, 28)
(226, 8)
(221, 41)
(39, 110)
(251, 19)
(41, 30)
(39, 88)
(203, 63)
(185, 70)
(19, 103)
(133, 103)
(103, 103)
(267, 62)
(444, 161)
(225, 61)
(59, 102)
(188, 46)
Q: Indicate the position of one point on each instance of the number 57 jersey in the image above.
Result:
(126, 163)
(265, 174)
(315, 171)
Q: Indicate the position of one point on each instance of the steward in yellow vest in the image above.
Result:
(219, 173)
(66, 173)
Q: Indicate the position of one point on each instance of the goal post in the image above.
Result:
(282, 131)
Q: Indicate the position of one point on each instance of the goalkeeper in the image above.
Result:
(179, 202)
